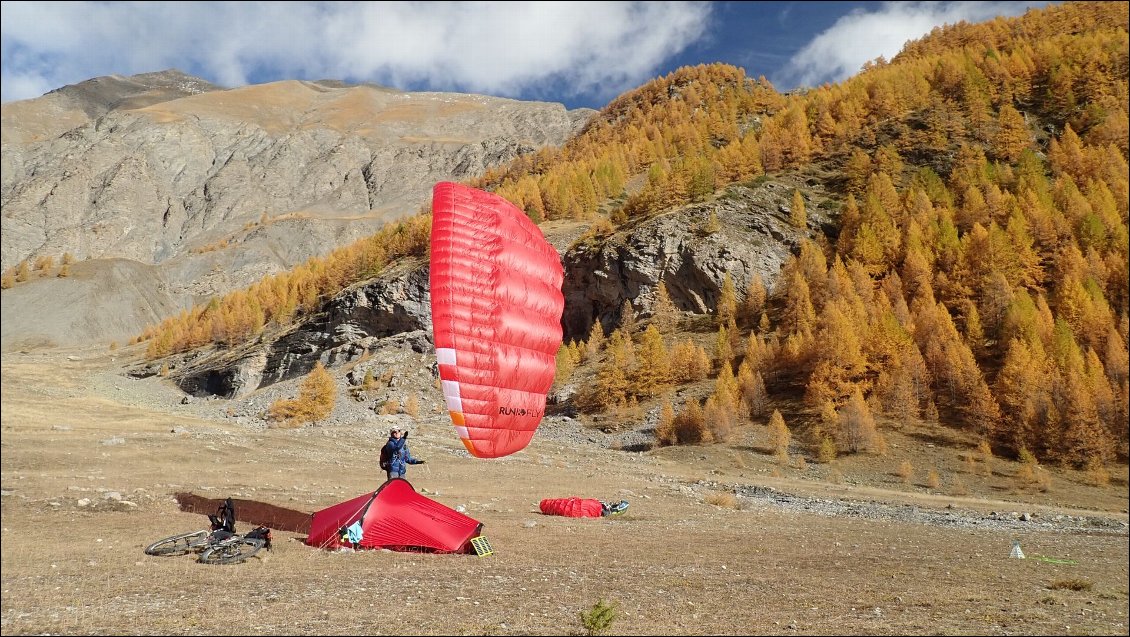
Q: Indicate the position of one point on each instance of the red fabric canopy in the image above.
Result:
(496, 317)
(572, 507)
(397, 518)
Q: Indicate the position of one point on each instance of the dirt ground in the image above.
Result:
(92, 466)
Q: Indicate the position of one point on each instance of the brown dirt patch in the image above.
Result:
(249, 511)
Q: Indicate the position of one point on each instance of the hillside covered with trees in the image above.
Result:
(978, 278)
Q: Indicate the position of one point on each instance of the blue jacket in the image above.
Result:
(396, 453)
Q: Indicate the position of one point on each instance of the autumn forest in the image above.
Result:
(978, 278)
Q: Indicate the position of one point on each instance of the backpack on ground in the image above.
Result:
(261, 533)
(224, 519)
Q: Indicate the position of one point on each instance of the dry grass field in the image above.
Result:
(91, 460)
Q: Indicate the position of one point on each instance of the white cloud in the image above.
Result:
(516, 48)
(861, 36)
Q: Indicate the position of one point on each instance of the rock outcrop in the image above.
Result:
(682, 248)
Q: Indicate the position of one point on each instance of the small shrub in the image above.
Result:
(722, 499)
(1097, 475)
(905, 471)
(370, 380)
(959, 488)
(970, 464)
(412, 406)
(986, 458)
(44, 264)
(782, 458)
(932, 479)
(711, 225)
(1043, 481)
(1026, 474)
(739, 461)
(1071, 584)
(599, 618)
(827, 451)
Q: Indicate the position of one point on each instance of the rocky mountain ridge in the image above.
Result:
(216, 188)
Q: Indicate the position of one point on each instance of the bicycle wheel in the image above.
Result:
(178, 544)
(232, 551)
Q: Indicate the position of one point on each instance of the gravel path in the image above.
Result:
(949, 516)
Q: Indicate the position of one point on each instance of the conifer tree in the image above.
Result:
(613, 384)
(779, 435)
(756, 352)
(565, 365)
(665, 431)
(857, 429)
(754, 395)
(725, 310)
(596, 339)
(754, 302)
(726, 385)
(1012, 134)
(665, 316)
(652, 372)
(798, 216)
(690, 424)
(826, 426)
(1084, 436)
(628, 318)
(763, 325)
(711, 225)
(689, 362)
(800, 315)
(720, 415)
(317, 395)
(723, 347)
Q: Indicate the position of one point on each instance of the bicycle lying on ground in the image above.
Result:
(217, 545)
(214, 546)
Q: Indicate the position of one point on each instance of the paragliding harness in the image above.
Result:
(223, 525)
(224, 519)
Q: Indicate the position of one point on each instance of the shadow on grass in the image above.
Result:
(249, 511)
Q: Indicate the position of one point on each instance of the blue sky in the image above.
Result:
(576, 53)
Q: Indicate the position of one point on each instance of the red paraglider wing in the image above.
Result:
(496, 317)
(572, 507)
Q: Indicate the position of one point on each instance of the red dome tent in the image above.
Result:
(395, 517)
